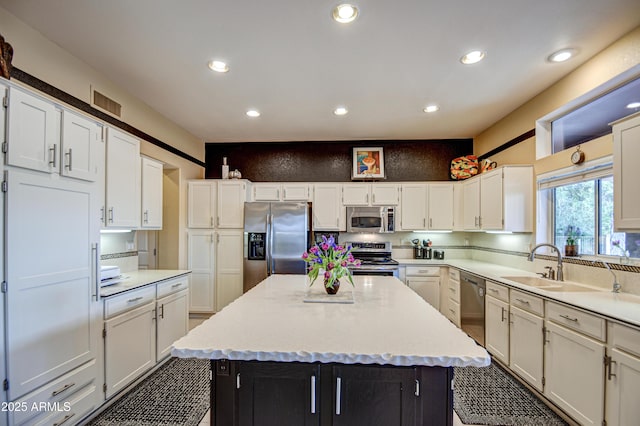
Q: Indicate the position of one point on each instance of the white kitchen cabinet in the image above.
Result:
(229, 266)
(151, 193)
(458, 207)
(52, 248)
(440, 210)
(82, 148)
(623, 375)
(574, 373)
(385, 194)
(129, 338)
(172, 311)
(427, 287)
(525, 338)
(452, 308)
(328, 212)
(202, 200)
(295, 192)
(491, 202)
(122, 180)
(367, 194)
(471, 204)
(33, 132)
(626, 148)
(232, 195)
(280, 192)
(497, 321)
(413, 213)
(201, 261)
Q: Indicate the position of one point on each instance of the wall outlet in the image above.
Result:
(130, 246)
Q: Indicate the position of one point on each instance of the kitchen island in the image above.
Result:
(384, 359)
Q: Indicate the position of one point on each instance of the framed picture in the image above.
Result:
(368, 163)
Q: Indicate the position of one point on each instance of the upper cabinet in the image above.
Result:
(626, 197)
(413, 214)
(370, 194)
(82, 148)
(280, 192)
(427, 206)
(328, 212)
(151, 201)
(123, 180)
(440, 206)
(216, 203)
(201, 199)
(232, 194)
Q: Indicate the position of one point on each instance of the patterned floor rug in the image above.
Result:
(490, 396)
(177, 394)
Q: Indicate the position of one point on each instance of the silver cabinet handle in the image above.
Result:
(70, 159)
(176, 285)
(162, 311)
(111, 215)
(278, 194)
(54, 153)
(218, 220)
(430, 223)
(96, 265)
(102, 217)
(511, 316)
(66, 418)
(62, 389)
(493, 290)
(568, 318)
(502, 314)
(545, 333)
(610, 373)
(424, 222)
(524, 302)
(338, 395)
(238, 381)
(146, 216)
(313, 394)
(135, 299)
(211, 221)
(374, 198)
(452, 311)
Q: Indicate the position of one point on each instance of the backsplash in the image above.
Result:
(119, 249)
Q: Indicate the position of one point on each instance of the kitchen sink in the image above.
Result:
(550, 285)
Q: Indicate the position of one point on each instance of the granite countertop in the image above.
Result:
(141, 278)
(623, 307)
(386, 324)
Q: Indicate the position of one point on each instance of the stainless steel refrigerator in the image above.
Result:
(275, 236)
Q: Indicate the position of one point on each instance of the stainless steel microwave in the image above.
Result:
(371, 219)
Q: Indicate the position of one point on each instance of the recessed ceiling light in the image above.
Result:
(431, 108)
(561, 55)
(340, 111)
(218, 66)
(253, 113)
(633, 105)
(345, 13)
(472, 57)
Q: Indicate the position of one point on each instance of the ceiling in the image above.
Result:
(292, 62)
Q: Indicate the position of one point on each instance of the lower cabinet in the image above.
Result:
(623, 376)
(525, 343)
(452, 308)
(172, 321)
(497, 328)
(425, 281)
(273, 393)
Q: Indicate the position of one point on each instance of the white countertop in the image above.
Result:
(622, 307)
(387, 324)
(140, 278)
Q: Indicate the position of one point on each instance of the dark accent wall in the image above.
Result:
(414, 160)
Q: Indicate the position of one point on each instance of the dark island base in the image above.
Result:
(278, 393)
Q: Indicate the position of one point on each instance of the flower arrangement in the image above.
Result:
(333, 259)
(572, 234)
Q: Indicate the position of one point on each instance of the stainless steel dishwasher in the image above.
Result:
(472, 291)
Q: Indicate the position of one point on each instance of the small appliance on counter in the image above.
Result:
(438, 254)
(423, 251)
(109, 275)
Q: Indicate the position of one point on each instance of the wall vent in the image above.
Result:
(106, 104)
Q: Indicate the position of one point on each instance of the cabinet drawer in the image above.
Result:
(74, 394)
(454, 291)
(453, 312)
(498, 291)
(582, 322)
(454, 274)
(423, 271)
(129, 300)
(527, 302)
(625, 338)
(173, 285)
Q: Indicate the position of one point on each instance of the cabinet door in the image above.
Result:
(626, 147)
(130, 347)
(574, 373)
(327, 208)
(384, 194)
(428, 288)
(173, 321)
(623, 388)
(201, 262)
(368, 395)
(441, 206)
(201, 199)
(229, 267)
(356, 194)
(295, 192)
(123, 180)
(273, 393)
(471, 204)
(413, 210)
(82, 147)
(231, 198)
(151, 193)
(497, 328)
(33, 133)
(525, 346)
(52, 316)
(491, 208)
(266, 192)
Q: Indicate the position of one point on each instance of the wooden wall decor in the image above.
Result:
(6, 56)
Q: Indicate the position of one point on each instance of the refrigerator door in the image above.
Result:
(255, 222)
(288, 239)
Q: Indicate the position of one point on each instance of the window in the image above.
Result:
(580, 206)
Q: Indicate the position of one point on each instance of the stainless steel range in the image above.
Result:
(375, 257)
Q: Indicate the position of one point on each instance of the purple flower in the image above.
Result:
(318, 260)
(314, 250)
(350, 258)
(325, 246)
(327, 274)
(344, 263)
(305, 255)
(330, 266)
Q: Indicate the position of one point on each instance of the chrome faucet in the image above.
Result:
(616, 285)
(532, 255)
